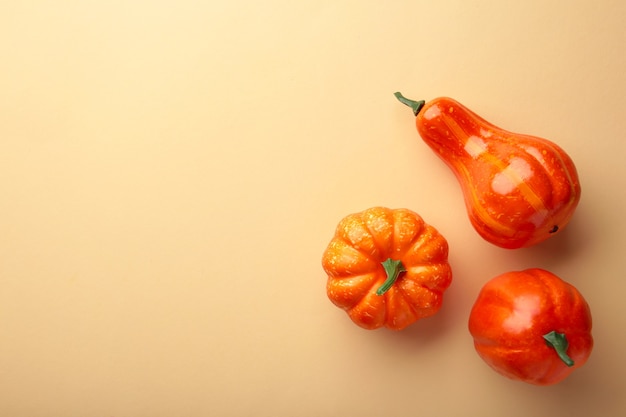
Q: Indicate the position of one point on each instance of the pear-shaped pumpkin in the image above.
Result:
(519, 190)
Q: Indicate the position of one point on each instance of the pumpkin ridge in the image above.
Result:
(383, 252)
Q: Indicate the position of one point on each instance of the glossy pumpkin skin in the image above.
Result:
(513, 313)
(519, 190)
(354, 261)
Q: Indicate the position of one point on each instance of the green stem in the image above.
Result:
(558, 342)
(415, 105)
(393, 269)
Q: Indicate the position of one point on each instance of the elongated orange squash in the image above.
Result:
(519, 190)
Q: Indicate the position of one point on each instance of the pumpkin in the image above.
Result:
(386, 267)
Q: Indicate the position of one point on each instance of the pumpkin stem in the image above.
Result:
(415, 105)
(558, 342)
(393, 269)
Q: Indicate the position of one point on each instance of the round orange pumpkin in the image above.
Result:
(387, 267)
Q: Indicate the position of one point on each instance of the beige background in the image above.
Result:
(171, 171)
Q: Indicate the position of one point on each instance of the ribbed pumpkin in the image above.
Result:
(386, 267)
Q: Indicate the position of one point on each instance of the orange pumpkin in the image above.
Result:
(519, 190)
(531, 326)
(386, 267)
